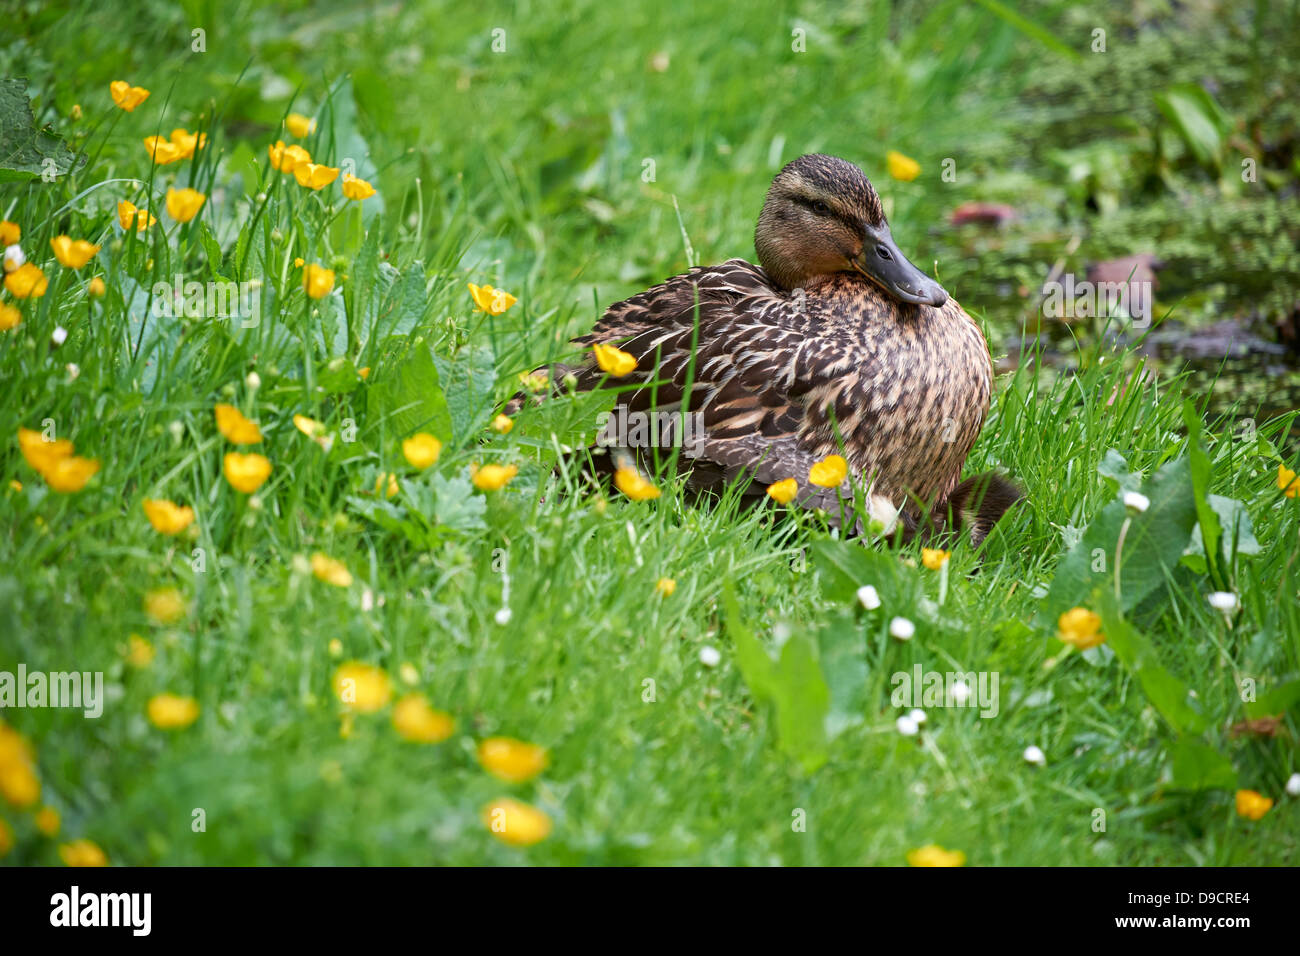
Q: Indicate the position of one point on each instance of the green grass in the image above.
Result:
(524, 169)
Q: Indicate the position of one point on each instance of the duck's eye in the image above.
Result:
(821, 208)
(883, 253)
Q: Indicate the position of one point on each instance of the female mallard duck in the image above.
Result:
(834, 344)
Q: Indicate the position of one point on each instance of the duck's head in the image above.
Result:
(822, 217)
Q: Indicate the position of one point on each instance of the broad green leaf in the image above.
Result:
(845, 566)
(409, 398)
(1167, 694)
(1275, 700)
(752, 659)
(803, 702)
(1199, 120)
(842, 651)
(468, 380)
(1197, 766)
(1153, 545)
(1207, 521)
(793, 684)
(25, 151)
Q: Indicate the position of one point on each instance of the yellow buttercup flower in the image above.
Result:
(314, 175)
(172, 712)
(68, 475)
(386, 483)
(630, 482)
(490, 300)
(1080, 628)
(246, 473)
(492, 477)
(82, 853)
(9, 317)
(358, 189)
(166, 517)
(934, 558)
(48, 821)
(165, 605)
(421, 449)
(308, 426)
(502, 424)
(162, 151)
(902, 167)
(535, 381)
(285, 158)
(1287, 482)
(73, 254)
(362, 687)
(1253, 805)
(935, 855)
(95, 287)
(613, 360)
(128, 213)
(26, 282)
(665, 587)
(318, 281)
(10, 233)
(139, 652)
(783, 492)
(187, 142)
(301, 126)
(511, 760)
(830, 472)
(516, 823)
(42, 455)
(184, 204)
(235, 426)
(19, 784)
(126, 96)
(419, 723)
(330, 570)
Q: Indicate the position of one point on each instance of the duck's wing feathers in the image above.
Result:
(758, 354)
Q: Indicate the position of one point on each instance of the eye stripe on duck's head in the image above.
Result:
(838, 183)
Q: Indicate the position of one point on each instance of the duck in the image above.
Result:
(833, 343)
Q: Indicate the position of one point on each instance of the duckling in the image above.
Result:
(833, 344)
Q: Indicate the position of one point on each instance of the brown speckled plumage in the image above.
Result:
(779, 370)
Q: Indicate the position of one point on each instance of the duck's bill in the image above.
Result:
(883, 264)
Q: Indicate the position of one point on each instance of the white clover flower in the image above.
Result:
(1035, 756)
(907, 726)
(253, 381)
(1224, 601)
(59, 335)
(917, 715)
(1135, 502)
(74, 370)
(14, 258)
(710, 656)
(503, 616)
(1293, 785)
(901, 629)
(367, 600)
(868, 597)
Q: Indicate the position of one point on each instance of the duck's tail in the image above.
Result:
(974, 506)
